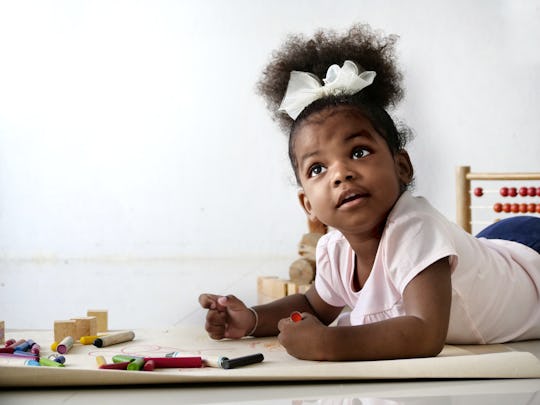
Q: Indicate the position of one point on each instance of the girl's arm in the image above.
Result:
(270, 314)
(420, 333)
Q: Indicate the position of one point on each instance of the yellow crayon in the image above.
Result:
(100, 360)
(54, 345)
(87, 340)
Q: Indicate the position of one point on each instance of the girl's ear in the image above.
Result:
(305, 204)
(404, 167)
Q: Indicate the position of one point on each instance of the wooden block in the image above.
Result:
(317, 226)
(302, 288)
(85, 326)
(2, 332)
(292, 288)
(308, 245)
(63, 329)
(263, 282)
(302, 271)
(102, 317)
(279, 288)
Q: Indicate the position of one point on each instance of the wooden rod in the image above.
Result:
(503, 176)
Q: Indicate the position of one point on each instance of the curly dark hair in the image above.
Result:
(369, 49)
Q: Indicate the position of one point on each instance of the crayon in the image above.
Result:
(114, 338)
(227, 363)
(20, 355)
(87, 340)
(12, 346)
(100, 360)
(149, 365)
(35, 349)
(65, 345)
(296, 316)
(120, 358)
(176, 362)
(49, 363)
(115, 366)
(54, 345)
(136, 365)
(206, 361)
(25, 346)
(58, 358)
(34, 363)
(9, 342)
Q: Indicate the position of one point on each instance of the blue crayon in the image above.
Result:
(24, 354)
(24, 347)
(34, 363)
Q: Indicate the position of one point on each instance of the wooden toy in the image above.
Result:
(85, 326)
(509, 195)
(102, 317)
(63, 329)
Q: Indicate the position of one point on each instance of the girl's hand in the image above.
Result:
(303, 339)
(227, 316)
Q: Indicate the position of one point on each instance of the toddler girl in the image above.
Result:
(411, 280)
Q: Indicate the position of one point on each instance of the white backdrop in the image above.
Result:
(130, 129)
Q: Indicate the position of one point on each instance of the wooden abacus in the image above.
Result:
(464, 176)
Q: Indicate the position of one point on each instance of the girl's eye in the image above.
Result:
(359, 153)
(315, 170)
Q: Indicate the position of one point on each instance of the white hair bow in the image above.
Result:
(304, 88)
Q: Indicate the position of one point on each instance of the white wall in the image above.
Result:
(131, 129)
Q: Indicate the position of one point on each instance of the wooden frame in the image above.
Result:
(464, 176)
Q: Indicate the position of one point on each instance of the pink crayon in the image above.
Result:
(176, 362)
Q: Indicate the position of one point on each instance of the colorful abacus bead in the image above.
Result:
(523, 191)
(515, 208)
(507, 207)
(497, 207)
(478, 191)
(512, 192)
(504, 191)
(538, 208)
(523, 208)
(531, 208)
(532, 192)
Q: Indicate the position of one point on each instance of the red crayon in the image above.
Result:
(11, 347)
(116, 366)
(149, 365)
(176, 362)
(296, 316)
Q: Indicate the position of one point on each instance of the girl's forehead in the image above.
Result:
(335, 123)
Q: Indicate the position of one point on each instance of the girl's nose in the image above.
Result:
(341, 174)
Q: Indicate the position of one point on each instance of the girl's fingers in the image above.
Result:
(208, 301)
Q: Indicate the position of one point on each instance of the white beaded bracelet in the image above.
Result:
(252, 331)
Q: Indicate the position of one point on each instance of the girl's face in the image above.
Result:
(350, 179)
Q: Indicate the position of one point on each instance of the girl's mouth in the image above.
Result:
(347, 198)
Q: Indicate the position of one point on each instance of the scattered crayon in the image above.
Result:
(120, 358)
(25, 346)
(114, 338)
(136, 364)
(115, 366)
(58, 358)
(100, 360)
(149, 365)
(296, 316)
(65, 345)
(176, 362)
(9, 342)
(87, 340)
(35, 349)
(34, 363)
(54, 345)
(49, 363)
(227, 363)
